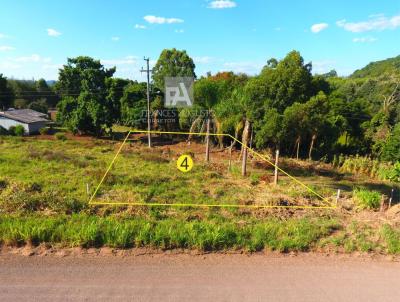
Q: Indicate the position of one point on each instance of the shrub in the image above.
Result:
(393, 174)
(366, 199)
(18, 130)
(44, 131)
(254, 179)
(11, 130)
(60, 136)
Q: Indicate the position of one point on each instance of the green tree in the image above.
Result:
(39, 105)
(6, 93)
(134, 105)
(45, 93)
(90, 111)
(206, 96)
(391, 148)
(172, 63)
(287, 82)
(115, 92)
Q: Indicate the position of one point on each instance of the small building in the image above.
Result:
(31, 120)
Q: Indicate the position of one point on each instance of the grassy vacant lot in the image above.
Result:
(44, 199)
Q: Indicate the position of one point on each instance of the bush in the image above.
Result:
(366, 199)
(11, 130)
(393, 174)
(18, 130)
(44, 131)
(60, 136)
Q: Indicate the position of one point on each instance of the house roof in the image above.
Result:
(26, 116)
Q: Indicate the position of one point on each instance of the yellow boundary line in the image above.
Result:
(91, 202)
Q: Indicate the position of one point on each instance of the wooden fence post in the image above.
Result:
(276, 167)
(391, 198)
(337, 196)
(230, 160)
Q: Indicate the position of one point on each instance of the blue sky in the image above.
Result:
(36, 37)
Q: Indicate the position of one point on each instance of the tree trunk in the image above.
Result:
(298, 147)
(245, 141)
(208, 140)
(192, 128)
(155, 120)
(313, 138)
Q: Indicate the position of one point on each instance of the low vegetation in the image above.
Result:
(44, 199)
(366, 199)
(212, 234)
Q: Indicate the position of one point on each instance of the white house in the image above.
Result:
(31, 120)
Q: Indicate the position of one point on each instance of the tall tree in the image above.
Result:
(206, 96)
(115, 92)
(133, 105)
(172, 63)
(6, 93)
(46, 94)
(286, 82)
(84, 107)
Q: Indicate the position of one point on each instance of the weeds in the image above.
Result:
(216, 234)
(366, 199)
(391, 238)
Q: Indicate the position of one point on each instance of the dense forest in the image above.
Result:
(284, 107)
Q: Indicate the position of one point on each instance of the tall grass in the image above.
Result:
(213, 234)
(367, 166)
(366, 199)
(392, 239)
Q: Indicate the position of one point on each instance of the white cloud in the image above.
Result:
(320, 67)
(32, 58)
(139, 26)
(128, 60)
(6, 48)
(364, 40)
(244, 67)
(179, 31)
(203, 60)
(161, 20)
(115, 39)
(221, 4)
(316, 28)
(53, 33)
(2, 36)
(375, 22)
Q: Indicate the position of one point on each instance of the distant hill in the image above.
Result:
(51, 82)
(375, 69)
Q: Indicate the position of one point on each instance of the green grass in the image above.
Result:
(391, 236)
(212, 234)
(366, 199)
(63, 168)
(43, 199)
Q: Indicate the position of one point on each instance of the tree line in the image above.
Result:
(284, 107)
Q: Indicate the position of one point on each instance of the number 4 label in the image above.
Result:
(184, 163)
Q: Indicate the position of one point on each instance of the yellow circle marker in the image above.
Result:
(184, 163)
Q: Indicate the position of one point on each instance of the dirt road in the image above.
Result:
(197, 278)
